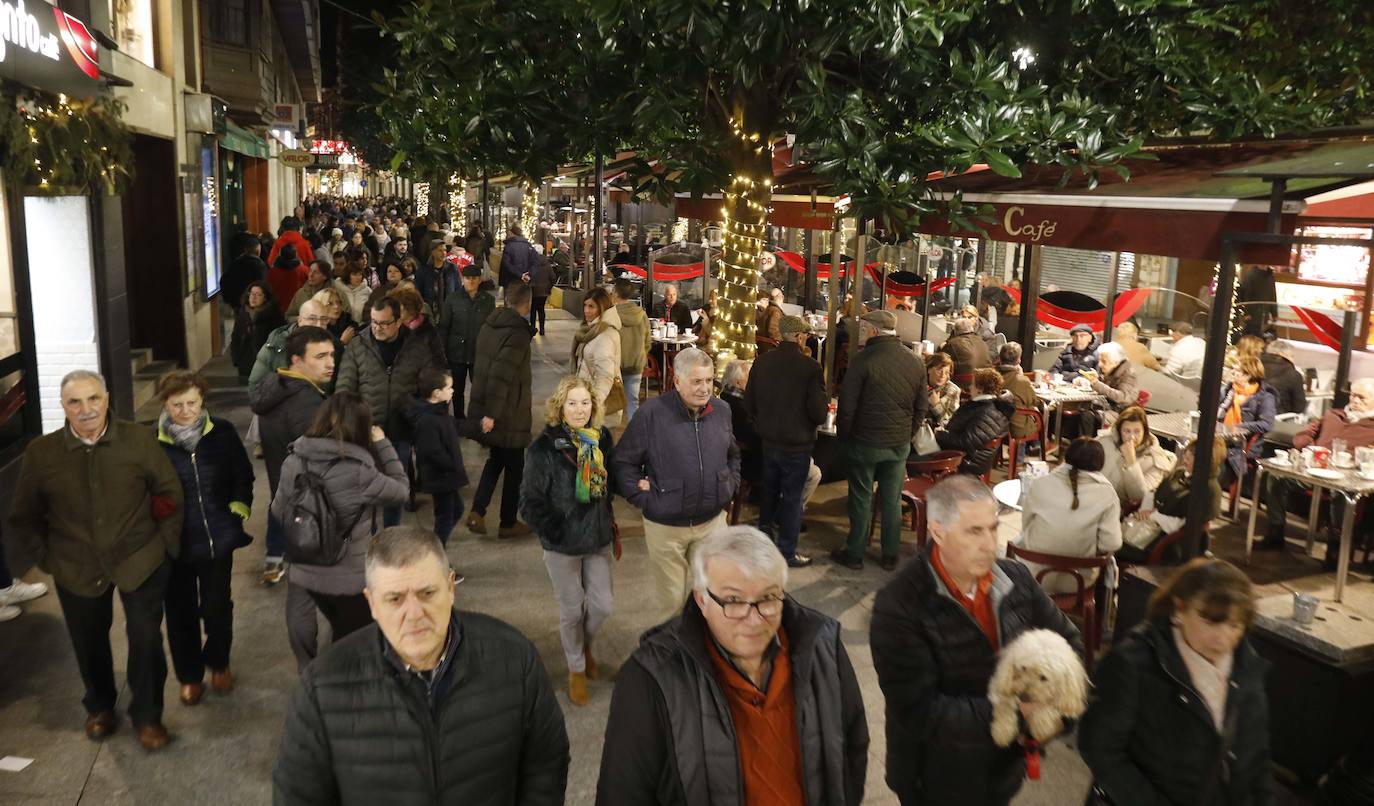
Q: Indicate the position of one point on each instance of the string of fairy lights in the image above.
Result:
(529, 208)
(422, 198)
(458, 203)
(34, 113)
(742, 247)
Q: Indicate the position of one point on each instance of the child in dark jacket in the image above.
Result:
(438, 462)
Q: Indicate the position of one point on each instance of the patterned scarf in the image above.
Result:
(590, 483)
(583, 337)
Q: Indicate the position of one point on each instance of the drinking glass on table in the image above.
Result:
(1364, 457)
(1337, 447)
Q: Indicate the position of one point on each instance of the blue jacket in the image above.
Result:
(691, 461)
(218, 482)
(518, 258)
(1071, 361)
(1257, 418)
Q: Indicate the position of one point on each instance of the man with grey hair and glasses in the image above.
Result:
(426, 705)
(745, 697)
(936, 631)
(679, 465)
(99, 506)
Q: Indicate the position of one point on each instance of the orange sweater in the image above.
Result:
(766, 729)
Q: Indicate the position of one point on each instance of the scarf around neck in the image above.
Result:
(1240, 394)
(585, 334)
(186, 437)
(590, 483)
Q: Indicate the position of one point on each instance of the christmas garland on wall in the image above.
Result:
(58, 145)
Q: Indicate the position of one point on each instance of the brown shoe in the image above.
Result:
(221, 681)
(476, 523)
(100, 724)
(577, 688)
(191, 693)
(509, 532)
(591, 662)
(153, 737)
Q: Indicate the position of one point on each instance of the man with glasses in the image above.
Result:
(794, 729)
(678, 464)
(273, 355)
(383, 366)
(1353, 425)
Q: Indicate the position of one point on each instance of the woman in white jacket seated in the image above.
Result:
(1073, 512)
(596, 347)
(1134, 461)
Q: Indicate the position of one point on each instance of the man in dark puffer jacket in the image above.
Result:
(882, 403)
(717, 709)
(935, 651)
(426, 706)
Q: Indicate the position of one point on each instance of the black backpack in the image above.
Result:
(311, 526)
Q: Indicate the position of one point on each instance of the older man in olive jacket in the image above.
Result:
(99, 506)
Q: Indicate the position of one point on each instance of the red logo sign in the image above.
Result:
(80, 44)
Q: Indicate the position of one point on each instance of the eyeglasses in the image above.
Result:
(768, 607)
(387, 323)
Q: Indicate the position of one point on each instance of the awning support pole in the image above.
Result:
(922, 264)
(1277, 189)
(1348, 333)
(598, 243)
(1209, 398)
(813, 246)
(831, 287)
(1111, 297)
(1030, 294)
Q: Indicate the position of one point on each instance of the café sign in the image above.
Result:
(48, 49)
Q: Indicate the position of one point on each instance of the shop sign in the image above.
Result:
(324, 160)
(296, 158)
(935, 253)
(47, 51)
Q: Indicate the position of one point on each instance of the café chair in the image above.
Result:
(1236, 485)
(922, 474)
(1083, 601)
(1014, 443)
(995, 447)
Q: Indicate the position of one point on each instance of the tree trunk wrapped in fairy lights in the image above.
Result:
(746, 215)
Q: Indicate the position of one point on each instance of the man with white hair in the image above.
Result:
(1353, 424)
(882, 403)
(425, 705)
(792, 729)
(937, 628)
(99, 506)
(678, 464)
(674, 309)
(1114, 379)
(1282, 373)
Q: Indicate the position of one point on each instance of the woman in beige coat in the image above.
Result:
(1073, 512)
(596, 347)
(1134, 461)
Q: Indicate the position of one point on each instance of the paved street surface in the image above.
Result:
(224, 749)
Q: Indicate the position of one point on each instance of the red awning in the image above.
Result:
(1127, 303)
(787, 211)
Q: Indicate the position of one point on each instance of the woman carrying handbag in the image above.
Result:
(565, 497)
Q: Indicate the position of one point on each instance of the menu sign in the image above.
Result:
(48, 49)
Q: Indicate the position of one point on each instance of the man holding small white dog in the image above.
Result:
(937, 630)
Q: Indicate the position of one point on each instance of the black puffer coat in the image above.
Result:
(216, 476)
(386, 389)
(251, 329)
(1149, 738)
(501, 380)
(934, 665)
(883, 400)
(548, 499)
(670, 738)
(438, 459)
(362, 731)
(1290, 388)
(462, 320)
(973, 426)
(285, 404)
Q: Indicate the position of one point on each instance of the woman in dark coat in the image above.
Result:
(565, 497)
(1179, 713)
(218, 479)
(985, 417)
(257, 317)
(1246, 414)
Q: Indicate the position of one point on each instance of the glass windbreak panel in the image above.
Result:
(12, 403)
(9, 313)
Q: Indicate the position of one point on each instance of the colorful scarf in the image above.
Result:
(1240, 394)
(590, 483)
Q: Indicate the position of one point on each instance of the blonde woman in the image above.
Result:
(596, 347)
(565, 497)
(338, 314)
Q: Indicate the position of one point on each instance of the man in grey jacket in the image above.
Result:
(678, 464)
(882, 403)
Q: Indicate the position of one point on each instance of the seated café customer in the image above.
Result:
(980, 325)
(745, 697)
(1246, 413)
(1080, 354)
(984, 418)
(1354, 425)
(1009, 322)
(1164, 698)
(1073, 512)
(1127, 336)
(1135, 461)
(1165, 510)
(732, 387)
(1114, 380)
(1284, 377)
(1185, 357)
(944, 393)
(968, 350)
(1020, 389)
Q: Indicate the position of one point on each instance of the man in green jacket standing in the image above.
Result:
(99, 506)
(464, 314)
(635, 341)
(272, 356)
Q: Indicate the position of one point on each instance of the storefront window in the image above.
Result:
(133, 28)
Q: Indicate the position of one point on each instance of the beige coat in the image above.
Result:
(1132, 482)
(599, 359)
(1050, 524)
(1138, 354)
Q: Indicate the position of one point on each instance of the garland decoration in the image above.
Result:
(56, 144)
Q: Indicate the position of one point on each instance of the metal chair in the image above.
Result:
(1083, 601)
(922, 474)
(1014, 443)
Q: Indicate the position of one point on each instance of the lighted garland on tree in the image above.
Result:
(458, 204)
(59, 145)
(529, 208)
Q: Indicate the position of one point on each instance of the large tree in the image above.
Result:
(878, 93)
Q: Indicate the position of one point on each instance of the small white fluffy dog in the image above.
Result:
(1038, 667)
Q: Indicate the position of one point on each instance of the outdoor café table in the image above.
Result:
(1173, 425)
(1346, 483)
(1056, 397)
(670, 348)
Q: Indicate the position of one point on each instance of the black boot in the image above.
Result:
(1333, 551)
(1273, 540)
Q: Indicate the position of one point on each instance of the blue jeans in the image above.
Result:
(784, 478)
(448, 508)
(391, 516)
(631, 382)
(276, 541)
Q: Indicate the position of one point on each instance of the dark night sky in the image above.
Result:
(331, 15)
